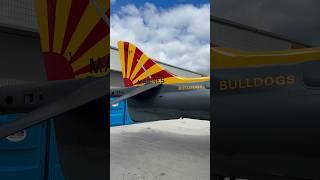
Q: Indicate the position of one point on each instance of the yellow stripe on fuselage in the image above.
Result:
(223, 58)
(179, 80)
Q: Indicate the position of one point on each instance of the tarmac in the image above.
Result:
(161, 150)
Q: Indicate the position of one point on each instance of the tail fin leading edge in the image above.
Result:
(138, 68)
(74, 37)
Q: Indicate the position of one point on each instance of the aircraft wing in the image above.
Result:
(134, 91)
(87, 93)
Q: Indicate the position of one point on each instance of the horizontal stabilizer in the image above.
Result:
(135, 91)
(93, 90)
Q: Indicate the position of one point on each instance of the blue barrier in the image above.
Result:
(119, 114)
(54, 168)
(128, 119)
(22, 155)
(32, 153)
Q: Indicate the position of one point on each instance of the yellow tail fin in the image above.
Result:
(74, 37)
(138, 68)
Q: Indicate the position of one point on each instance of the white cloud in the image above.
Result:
(113, 1)
(178, 35)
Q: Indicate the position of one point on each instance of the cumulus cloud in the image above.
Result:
(113, 1)
(178, 35)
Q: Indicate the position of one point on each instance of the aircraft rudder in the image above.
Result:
(138, 68)
(74, 37)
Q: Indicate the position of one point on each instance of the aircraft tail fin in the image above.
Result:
(138, 69)
(74, 37)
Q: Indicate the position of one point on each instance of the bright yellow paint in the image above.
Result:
(101, 49)
(143, 59)
(88, 21)
(222, 58)
(62, 14)
(42, 17)
(183, 80)
(131, 51)
(152, 70)
(179, 80)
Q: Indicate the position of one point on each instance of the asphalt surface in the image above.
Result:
(161, 150)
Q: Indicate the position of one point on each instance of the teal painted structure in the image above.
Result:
(32, 153)
(29, 154)
(119, 114)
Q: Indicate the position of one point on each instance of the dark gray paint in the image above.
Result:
(295, 19)
(167, 102)
(267, 132)
(20, 56)
(237, 38)
(44, 100)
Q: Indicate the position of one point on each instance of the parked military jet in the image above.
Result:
(265, 109)
(74, 39)
(153, 93)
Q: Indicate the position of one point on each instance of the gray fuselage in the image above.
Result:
(188, 100)
(17, 96)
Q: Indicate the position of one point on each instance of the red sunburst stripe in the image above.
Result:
(87, 68)
(136, 57)
(76, 11)
(51, 9)
(159, 75)
(146, 65)
(98, 32)
(125, 49)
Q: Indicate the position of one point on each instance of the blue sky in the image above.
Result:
(174, 32)
(159, 3)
